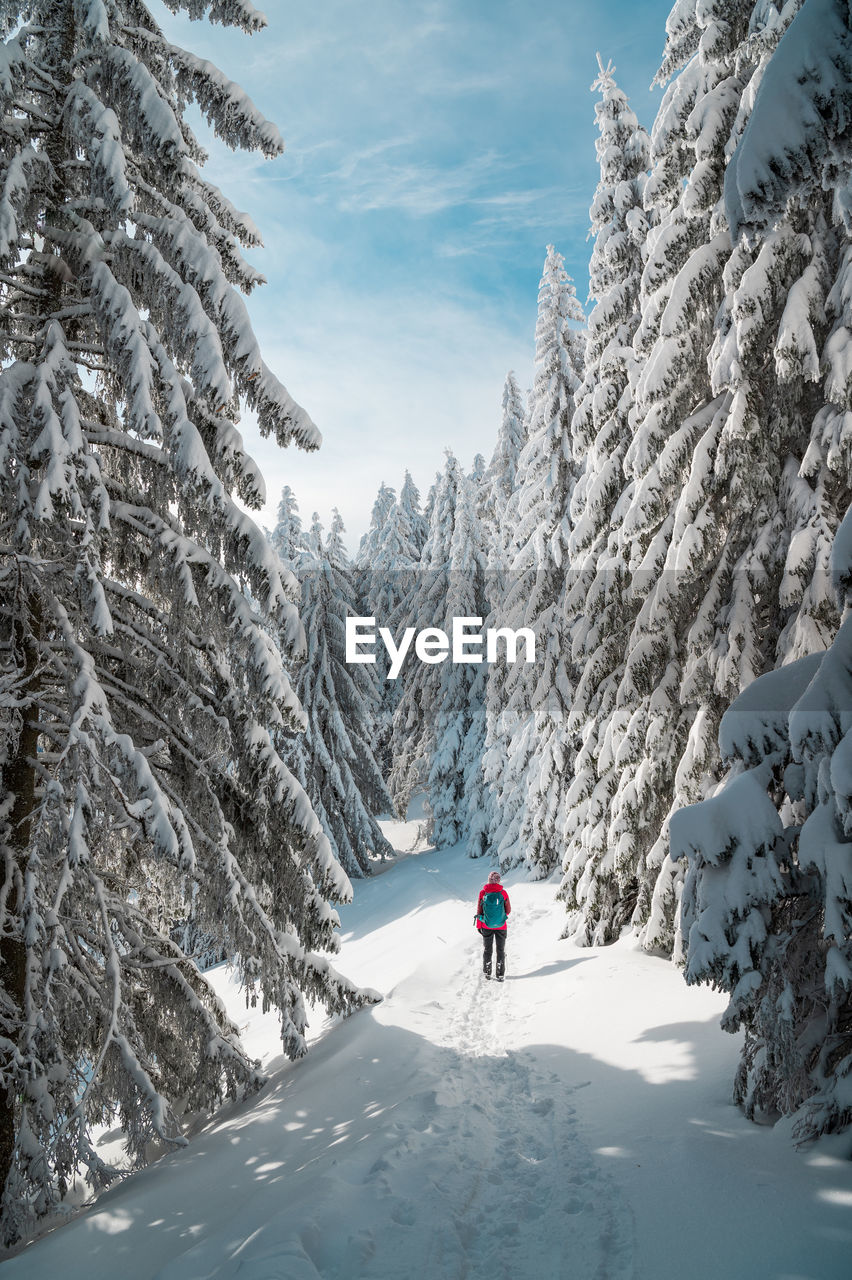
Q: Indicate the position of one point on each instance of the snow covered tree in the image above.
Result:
(597, 602)
(498, 514)
(529, 787)
(409, 502)
(384, 588)
(499, 481)
(750, 915)
(477, 470)
(387, 557)
(767, 902)
(287, 537)
(455, 785)
(682, 290)
(333, 759)
(808, 80)
(808, 87)
(547, 472)
(395, 561)
(717, 515)
(382, 507)
(143, 698)
(384, 578)
(314, 537)
(414, 722)
(429, 504)
(379, 588)
(762, 571)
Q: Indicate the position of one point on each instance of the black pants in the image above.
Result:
(489, 937)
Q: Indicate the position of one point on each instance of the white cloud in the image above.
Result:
(390, 385)
(355, 160)
(418, 188)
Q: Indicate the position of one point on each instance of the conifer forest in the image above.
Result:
(611, 661)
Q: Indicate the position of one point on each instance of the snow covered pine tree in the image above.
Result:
(717, 513)
(499, 482)
(530, 736)
(598, 608)
(417, 522)
(414, 733)
(455, 765)
(287, 537)
(142, 692)
(767, 902)
(385, 574)
(333, 759)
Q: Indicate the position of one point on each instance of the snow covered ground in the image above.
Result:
(573, 1122)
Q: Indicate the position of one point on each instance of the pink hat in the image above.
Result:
(494, 878)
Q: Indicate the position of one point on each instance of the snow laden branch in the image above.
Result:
(799, 135)
(767, 903)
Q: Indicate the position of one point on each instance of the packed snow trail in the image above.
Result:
(572, 1123)
(497, 1173)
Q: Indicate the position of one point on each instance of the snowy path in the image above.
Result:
(507, 1176)
(573, 1122)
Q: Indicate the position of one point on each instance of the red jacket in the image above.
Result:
(493, 888)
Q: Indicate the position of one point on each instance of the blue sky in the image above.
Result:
(433, 149)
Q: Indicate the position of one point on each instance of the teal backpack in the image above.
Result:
(493, 910)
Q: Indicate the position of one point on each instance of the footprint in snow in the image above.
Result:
(404, 1213)
(542, 1107)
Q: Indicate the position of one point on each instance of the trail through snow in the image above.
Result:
(572, 1122)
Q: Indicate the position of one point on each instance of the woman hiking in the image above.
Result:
(490, 919)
